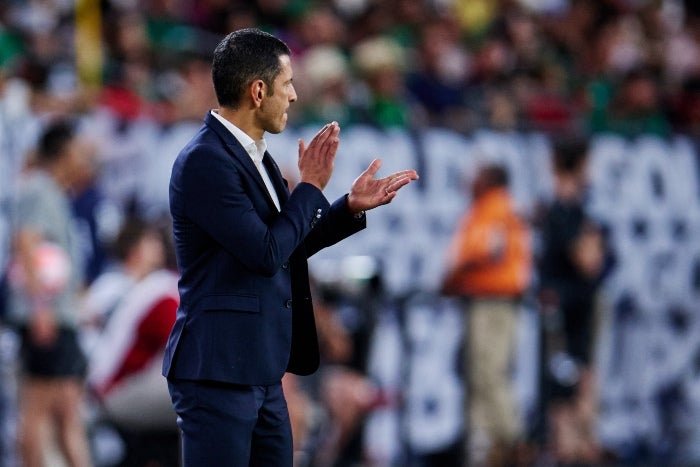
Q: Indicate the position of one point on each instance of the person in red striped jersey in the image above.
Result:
(125, 360)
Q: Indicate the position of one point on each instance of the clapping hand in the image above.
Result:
(368, 192)
(316, 160)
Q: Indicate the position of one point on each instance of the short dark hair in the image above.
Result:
(242, 57)
(570, 152)
(54, 140)
(131, 233)
(495, 175)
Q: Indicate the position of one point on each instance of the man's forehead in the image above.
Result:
(286, 63)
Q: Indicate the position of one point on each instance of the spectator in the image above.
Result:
(492, 70)
(124, 364)
(381, 62)
(570, 265)
(501, 110)
(17, 128)
(44, 279)
(489, 267)
(320, 26)
(634, 108)
(325, 87)
(136, 252)
(548, 108)
(90, 210)
(686, 107)
(185, 95)
(438, 82)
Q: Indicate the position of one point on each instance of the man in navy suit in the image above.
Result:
(242, 242)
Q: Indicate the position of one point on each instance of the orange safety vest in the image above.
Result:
(490, 254)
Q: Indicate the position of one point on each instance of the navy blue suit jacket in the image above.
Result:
(245, 314)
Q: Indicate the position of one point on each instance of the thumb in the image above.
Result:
(302, 147)
(374, 167)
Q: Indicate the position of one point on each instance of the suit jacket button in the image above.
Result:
(288, 303)
(285, 265)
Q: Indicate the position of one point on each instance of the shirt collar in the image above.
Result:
(255, 149)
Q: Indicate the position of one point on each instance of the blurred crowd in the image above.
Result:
(629, 66)
(126, 83)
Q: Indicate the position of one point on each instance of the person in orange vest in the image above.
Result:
(489, 266)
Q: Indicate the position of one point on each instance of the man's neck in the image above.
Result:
(244, 120)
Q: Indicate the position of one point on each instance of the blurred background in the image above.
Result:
(589, 108)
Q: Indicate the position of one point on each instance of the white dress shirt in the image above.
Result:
(256, 151)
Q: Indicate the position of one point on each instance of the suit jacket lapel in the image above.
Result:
(280, 184)
(237, 151)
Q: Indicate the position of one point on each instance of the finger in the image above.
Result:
(302, 147)
(334, 146)
(331, 140)
(335, 130)
(328, 130)
(373, 167)
(412, 174)
(321, 136)
(329, 154)
(321, 131)
(399, 183)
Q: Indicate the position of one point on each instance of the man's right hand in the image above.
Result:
(316, 160)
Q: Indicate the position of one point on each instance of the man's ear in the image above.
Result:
(258, 91)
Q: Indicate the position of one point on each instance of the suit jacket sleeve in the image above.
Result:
(337, 224)
(219, 202)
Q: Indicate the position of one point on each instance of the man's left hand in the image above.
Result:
(368, 192)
